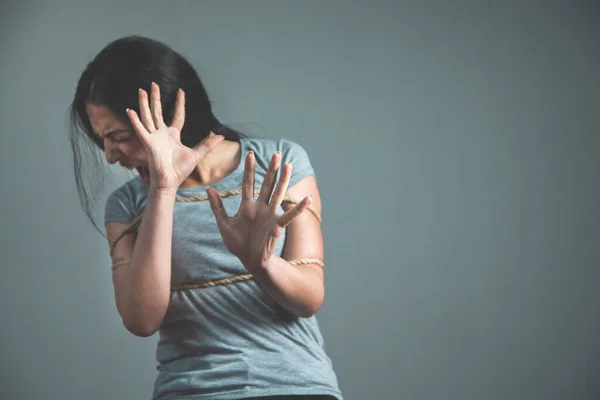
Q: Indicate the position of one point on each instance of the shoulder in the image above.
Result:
(130, 189)
(123, 203)
(264, 148)
(291, 152)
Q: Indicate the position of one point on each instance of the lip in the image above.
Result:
(143, 173)
(130, 166)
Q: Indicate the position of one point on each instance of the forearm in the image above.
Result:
(298, 288)
(146, 285)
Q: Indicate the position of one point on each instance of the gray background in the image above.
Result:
(458, 156)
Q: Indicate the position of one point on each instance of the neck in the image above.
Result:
(216, 165)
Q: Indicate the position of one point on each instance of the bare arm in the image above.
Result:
(299, 288)
(251, 235)
(142, 287)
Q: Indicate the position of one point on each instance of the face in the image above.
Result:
(121, 143)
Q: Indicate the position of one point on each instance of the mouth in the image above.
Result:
(144, 173)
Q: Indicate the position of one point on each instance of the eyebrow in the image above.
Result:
(113, 132)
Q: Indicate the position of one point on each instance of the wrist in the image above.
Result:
(162, 192)
(260, 268)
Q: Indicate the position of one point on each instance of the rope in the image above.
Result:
(224, 281)
(216, 282)
(131, 227)
(237, 278)
(226, 193)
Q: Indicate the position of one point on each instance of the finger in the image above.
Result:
(207, 145)
(284, 219)
(269, 181)
(145, 111)
(216, 205)
(139, 128)
(282, 186)
(248, 179)
(179, 111)
(156, 107)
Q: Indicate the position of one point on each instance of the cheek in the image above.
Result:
(134, 149)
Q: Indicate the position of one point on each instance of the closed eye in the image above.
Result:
(118, 135)
(121, 139)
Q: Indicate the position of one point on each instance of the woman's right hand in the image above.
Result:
(169, 161)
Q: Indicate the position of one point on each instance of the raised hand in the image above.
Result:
(169, 161)
(252, 233)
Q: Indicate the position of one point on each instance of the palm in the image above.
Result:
(171, 158)
(169, 161)
(252, 233)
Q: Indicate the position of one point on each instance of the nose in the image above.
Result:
(109, 152)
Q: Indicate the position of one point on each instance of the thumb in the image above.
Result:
(207, 145)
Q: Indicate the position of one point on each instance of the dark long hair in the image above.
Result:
(112, 79)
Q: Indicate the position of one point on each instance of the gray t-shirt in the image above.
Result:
(228, 341)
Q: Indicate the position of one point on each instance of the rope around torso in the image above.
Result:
(131, 227)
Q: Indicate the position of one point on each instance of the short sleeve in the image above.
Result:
(119, 206)
(301, 166)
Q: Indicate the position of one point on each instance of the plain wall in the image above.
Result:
(458, 156)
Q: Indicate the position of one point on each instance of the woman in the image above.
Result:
(230, 280)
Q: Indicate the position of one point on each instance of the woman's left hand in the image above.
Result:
(252, 233)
